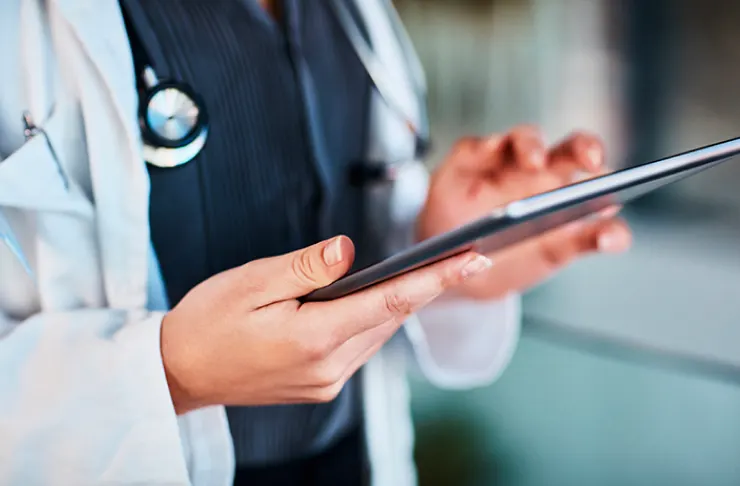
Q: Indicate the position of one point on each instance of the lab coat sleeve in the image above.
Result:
(84, 400)
(464, 344)
(457, 343)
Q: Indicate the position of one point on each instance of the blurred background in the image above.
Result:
(628, 370)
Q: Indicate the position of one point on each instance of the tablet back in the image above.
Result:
(533, 216)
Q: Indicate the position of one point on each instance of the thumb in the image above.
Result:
(296, 274)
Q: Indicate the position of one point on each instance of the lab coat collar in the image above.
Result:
(99, 27)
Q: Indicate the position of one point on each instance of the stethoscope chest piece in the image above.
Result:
(173, 120)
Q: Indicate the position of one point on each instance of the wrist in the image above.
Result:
(184, 398)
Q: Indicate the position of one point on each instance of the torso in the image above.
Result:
(255, 190)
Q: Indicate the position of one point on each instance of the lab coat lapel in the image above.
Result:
(30, 178)
(93, 43)
(98, 25)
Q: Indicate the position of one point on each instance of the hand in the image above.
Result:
(482, 174)
(242, 338)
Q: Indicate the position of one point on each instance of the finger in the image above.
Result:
(561, 248)
(609, 212)
(528, 147)
(522, 146)
(578, 152)
(485, 156)
(535, 260)
(329, 384)
(464, 155)
(350, 356)
(477, 156)
(361, 360)
(393, 300)
(493, 152)
(613, 237)
(564, 175)
(296, 274)
(328, 376)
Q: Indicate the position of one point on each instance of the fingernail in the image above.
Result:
(538, 158)
(594, 157)
(609, 212)
(477, 265)
(610, 243)
(493, 143)
(333, 252)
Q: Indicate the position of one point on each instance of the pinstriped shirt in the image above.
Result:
(288, 105)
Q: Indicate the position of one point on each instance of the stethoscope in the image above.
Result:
(172, 116)
(174, 121)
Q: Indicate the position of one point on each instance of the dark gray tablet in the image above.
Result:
(535, 215)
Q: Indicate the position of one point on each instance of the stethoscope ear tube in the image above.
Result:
(174, 122)
(379, 74)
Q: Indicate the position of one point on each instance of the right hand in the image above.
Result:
(242, 338)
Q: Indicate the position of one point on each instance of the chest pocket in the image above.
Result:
(31, 179)
(35, 196)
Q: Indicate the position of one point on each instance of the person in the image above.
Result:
(150, 322)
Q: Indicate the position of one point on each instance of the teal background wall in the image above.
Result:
(561, 416)
(629, 371)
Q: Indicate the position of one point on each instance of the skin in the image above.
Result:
(480, 174)
(483, 173)
(242, 337)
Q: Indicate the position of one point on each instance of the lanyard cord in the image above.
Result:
(150, 56)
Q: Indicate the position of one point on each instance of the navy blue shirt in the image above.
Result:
(288, 103)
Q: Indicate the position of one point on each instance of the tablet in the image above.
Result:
(526, 218)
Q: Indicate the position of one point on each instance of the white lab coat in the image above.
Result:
(83, 396)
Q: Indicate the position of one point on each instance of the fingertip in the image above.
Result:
(337, 255)
(296, 274)
(338, 250)
(595, 157)
(493, 143)
(527, 131)
(474, 265)
(529, 150)
(615, 238)
(347, 246)
(590, 151)
(609, 212)
(537, 158)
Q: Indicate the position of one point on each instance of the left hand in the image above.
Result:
(481, 174)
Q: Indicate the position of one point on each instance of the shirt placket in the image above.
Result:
(313, 122)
